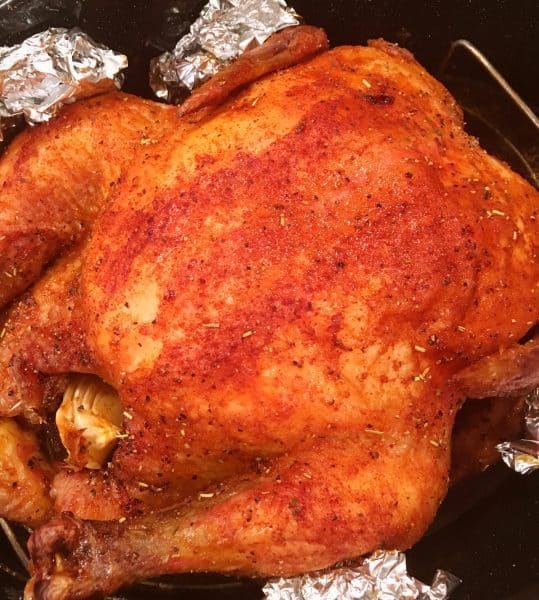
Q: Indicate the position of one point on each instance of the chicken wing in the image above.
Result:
(55, 179)
(283, 49)
(512, 372)
(25, 476)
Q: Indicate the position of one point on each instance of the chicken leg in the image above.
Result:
(301, 512)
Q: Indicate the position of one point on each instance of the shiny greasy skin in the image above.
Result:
(281, 290)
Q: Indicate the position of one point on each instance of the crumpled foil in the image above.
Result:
(224, 30)
(53, 68)
(523, 455)
(381, 576)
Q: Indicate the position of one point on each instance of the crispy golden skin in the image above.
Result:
(110, 128)
(281, 291)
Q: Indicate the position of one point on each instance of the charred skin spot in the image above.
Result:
(383, 99)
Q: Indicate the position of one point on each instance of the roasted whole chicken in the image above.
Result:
(282, 291)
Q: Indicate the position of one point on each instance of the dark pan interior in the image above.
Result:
(488, 528)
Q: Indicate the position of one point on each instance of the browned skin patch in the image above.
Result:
(66, 489)
(285, 287)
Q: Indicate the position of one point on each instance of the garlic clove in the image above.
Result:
(89, 421)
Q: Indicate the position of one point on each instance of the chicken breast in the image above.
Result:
(282, 291)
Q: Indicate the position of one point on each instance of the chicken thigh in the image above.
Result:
(282, 290)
